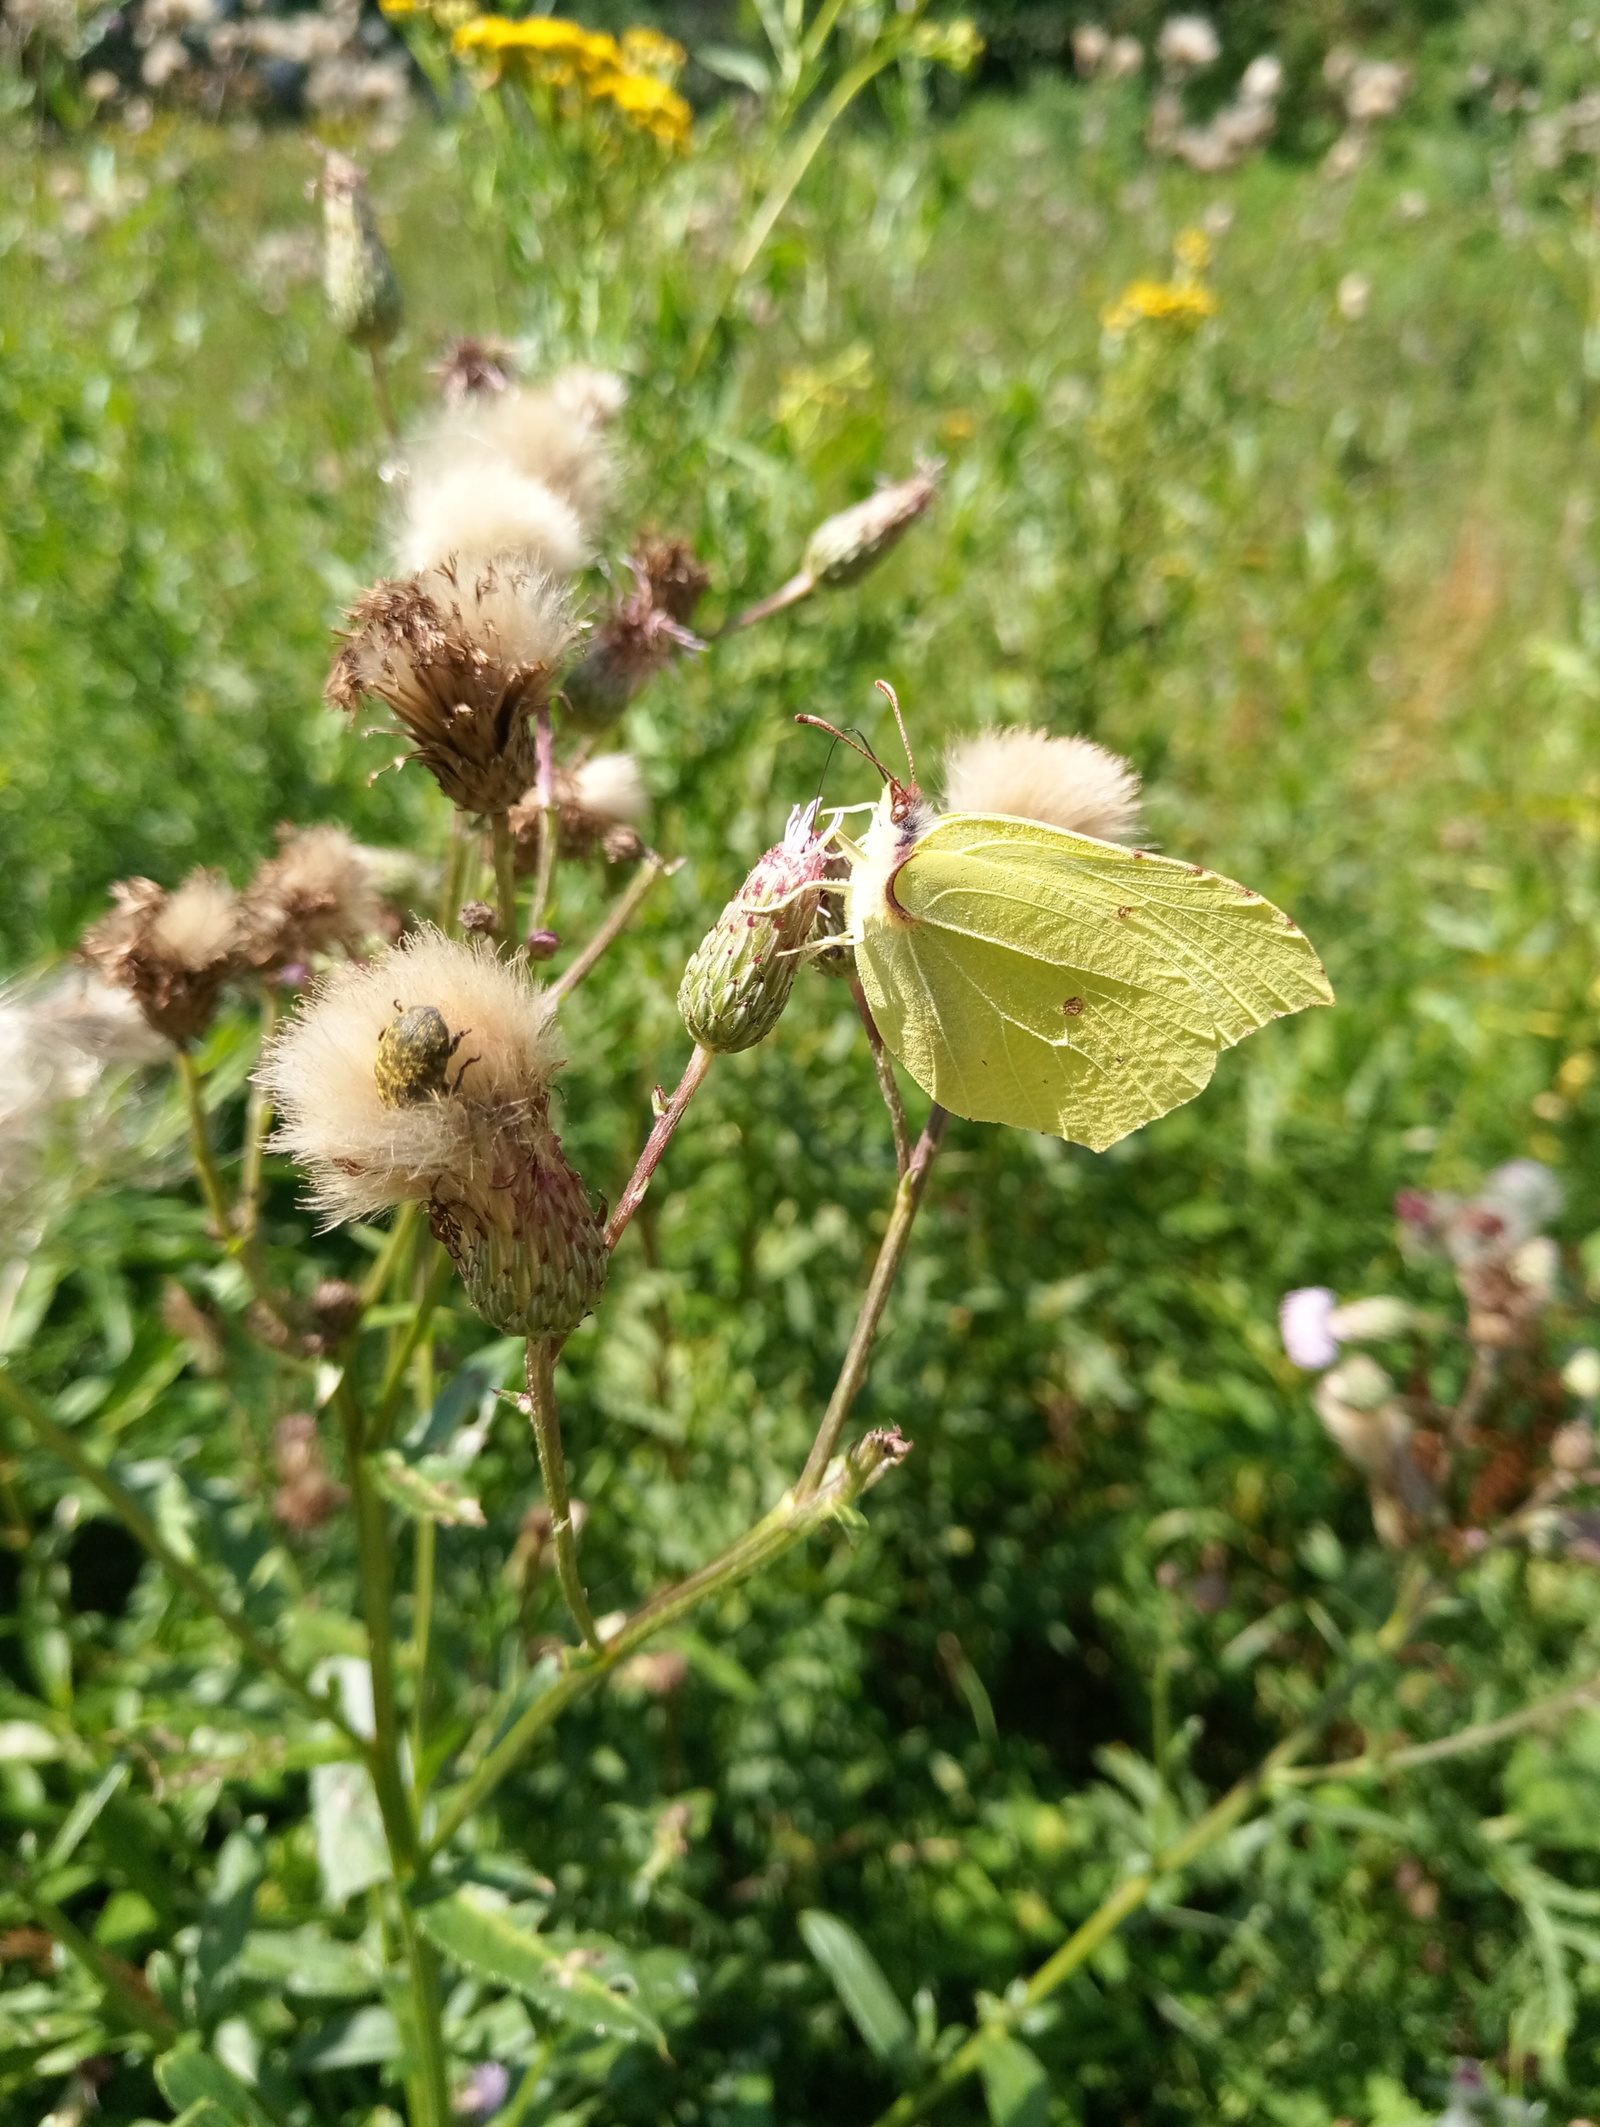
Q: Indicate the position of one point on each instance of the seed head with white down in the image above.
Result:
(472, 1142)
(1029, 775)
(522, 474)
(172, 951)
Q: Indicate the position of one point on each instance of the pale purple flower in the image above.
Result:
(1303, 1318)
(485, 2090)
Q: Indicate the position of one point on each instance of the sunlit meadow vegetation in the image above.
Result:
(1323, 564)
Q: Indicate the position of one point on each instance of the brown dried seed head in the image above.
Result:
(172, 951)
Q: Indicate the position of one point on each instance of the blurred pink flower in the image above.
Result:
(1303, 1319)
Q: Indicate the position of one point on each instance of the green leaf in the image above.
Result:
(349, 1826)
(1014, 2082)
(187, 2076)
(428, 1490)
(82, 1815)
(875, 2009)
(569, 1977)
(307, 1961)
(27, 1743)
(358, 2039)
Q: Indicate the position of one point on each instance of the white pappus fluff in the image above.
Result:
(611, 788)
(362, 1156)
(477, 510)
(1069, 782)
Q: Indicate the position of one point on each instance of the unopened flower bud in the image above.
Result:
(842, 549)
(478, 919)
(735, 988)
(336, 1308)
(358, 275)
(845, 547)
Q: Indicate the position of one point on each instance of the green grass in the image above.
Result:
(1331, 583)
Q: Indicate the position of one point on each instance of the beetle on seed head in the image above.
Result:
(414, 1053)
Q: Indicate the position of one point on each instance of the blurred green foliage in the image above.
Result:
(1328, 572)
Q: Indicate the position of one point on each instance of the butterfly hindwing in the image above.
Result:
(1062, 984)
(998, 1036)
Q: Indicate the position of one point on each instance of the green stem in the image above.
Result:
(907, 1202)
(546, 1417)
(394, 1376)
(375, 1565)
(257, 1122)
(421, 1636)
(888, 1084)
(651, 868)
(240, 1243)
(139, 1525)
(505, 880)
(126, 1993)
(456, 861)
(549, 821)
(376, 1282)
(784, 186)
(657, 1142)
(1132, 1892)
(789, 1522)
(383, 395)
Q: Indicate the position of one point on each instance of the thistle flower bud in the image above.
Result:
(358, 275)
(831, 923)
(444, 1101)
(845, 547)
(735, 988)
(172, 951)
(463, 666)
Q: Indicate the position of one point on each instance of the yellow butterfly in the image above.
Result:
(1029, 974)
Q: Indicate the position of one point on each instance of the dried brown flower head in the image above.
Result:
(315, 894)
(476, 1148)
(473, 366)
(172, 951)
(600, 803)
(463, 664)
(307, 1494)
(638, 636)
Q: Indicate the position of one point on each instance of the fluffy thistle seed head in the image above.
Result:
(317, 893)
(735, 988)
(523, 474)
(463, 664)
(474, 1145)
(358, 275)
(1029, 775)
(172, 951)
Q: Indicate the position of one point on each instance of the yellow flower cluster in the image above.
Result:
(1184, 300)
(633, 75)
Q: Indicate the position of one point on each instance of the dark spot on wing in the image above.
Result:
(1124, 911)
(1072, 1007)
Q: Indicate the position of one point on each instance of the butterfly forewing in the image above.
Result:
(1138, 918)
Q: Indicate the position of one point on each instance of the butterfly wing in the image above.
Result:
(1061, 984)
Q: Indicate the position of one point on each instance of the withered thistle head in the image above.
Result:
(315, 894)
(472, 367)
(307, 1495)
(463, 663)
(172, 951)
(600, 805)
(358, 275)
(735, 988)
(638, 636)
(424, 1076)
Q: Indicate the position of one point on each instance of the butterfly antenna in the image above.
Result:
(884, 687)
(843, 738)
(822, 779)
